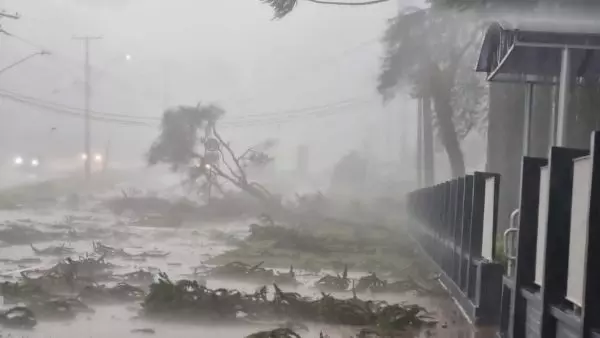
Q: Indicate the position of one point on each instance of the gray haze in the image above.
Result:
(268, 75)
(182, 51)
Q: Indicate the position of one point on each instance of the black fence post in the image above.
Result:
(476, 232)
(488, 293)
(591, 299)
(526, 250)
(465, 242)
(556, 260)
(445, 226)
(453, 216)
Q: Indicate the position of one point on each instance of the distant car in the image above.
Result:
(27, 163)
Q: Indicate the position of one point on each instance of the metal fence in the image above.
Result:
(554, 290)
(456, 227)
(552, 286)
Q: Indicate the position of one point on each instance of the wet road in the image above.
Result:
(189, 247)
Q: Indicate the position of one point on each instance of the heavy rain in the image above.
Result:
(241, 168)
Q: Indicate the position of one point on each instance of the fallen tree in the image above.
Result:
(190, 142)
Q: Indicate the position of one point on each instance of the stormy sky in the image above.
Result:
(309, 78)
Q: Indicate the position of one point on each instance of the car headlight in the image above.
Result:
(18, 160)
(98, 158)
(35, 162)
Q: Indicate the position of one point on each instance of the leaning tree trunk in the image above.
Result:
(441, 95)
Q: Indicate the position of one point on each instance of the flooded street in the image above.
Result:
(189, 247)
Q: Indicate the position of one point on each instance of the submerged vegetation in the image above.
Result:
(68, 288)
(188, 300)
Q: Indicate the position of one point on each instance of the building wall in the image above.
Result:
(505, 142)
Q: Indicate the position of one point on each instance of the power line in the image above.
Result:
(315, 66)
(297, 110)
(94, 112)
(70, 112)
(76, 113)
(251, 118)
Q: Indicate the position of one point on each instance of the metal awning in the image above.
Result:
(532, 51)
(559, 52)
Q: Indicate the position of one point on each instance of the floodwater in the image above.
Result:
(189, 247)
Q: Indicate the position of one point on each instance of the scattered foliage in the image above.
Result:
(18, 317)
(69, 275)
(277, 333)
(334, 283)
(189, 299)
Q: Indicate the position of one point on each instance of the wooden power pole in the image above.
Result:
(88, 94)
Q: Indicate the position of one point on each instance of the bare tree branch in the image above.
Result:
(231, 153)
(233, 173)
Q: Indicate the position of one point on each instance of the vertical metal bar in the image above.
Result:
(420, 143)
(591, 306)
(86, 123)
(528, 113)
(563, 98)
(553, 118)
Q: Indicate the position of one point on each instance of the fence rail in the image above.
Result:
(554, 288)
(456, 226)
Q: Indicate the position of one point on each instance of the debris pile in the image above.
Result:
(18, 317)
(69, 275)
(277, 333)
(187, 299)
(331, 283)
(190, 300)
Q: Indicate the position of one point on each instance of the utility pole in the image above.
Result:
(88, 94)
(427, 130)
